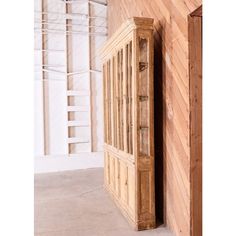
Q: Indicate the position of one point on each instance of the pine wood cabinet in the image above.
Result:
(127, 59)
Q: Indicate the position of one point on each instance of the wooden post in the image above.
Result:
(90, 76)
(195, 80)
(45, 82)
(69, 69)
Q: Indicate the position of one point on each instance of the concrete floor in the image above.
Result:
(73, 203)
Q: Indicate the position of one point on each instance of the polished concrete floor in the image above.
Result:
(73, 203)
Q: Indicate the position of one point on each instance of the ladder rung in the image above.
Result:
(78, 93)
(78, 123)
(77, 140)
(78, 108)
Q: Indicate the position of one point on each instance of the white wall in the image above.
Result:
(63, 163)
(58, 159)
(97, 84)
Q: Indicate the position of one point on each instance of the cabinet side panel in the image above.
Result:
(145, 139)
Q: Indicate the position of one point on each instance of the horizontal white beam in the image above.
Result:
(77, 140)
(78, 93)
(49, 50)
(45, 65)
(81, 1)
(51, 79)
(68, 74)
(78, 108)
(52, 71)
(45, 31)
(75, 123)
(71, 15)
(63, 24)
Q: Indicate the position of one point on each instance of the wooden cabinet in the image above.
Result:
(127, 59)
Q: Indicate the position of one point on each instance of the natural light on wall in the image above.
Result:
(68, 84)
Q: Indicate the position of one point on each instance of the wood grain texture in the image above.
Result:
(195, 55)
(174, 104)
(128, 110)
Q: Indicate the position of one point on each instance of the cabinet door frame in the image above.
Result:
(195, 81)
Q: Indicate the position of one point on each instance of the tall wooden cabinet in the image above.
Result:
(127, 59)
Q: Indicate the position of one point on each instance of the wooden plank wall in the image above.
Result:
(172, 99)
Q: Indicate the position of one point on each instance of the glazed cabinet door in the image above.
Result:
(128, 121)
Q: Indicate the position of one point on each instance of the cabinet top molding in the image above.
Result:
(123, 32)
